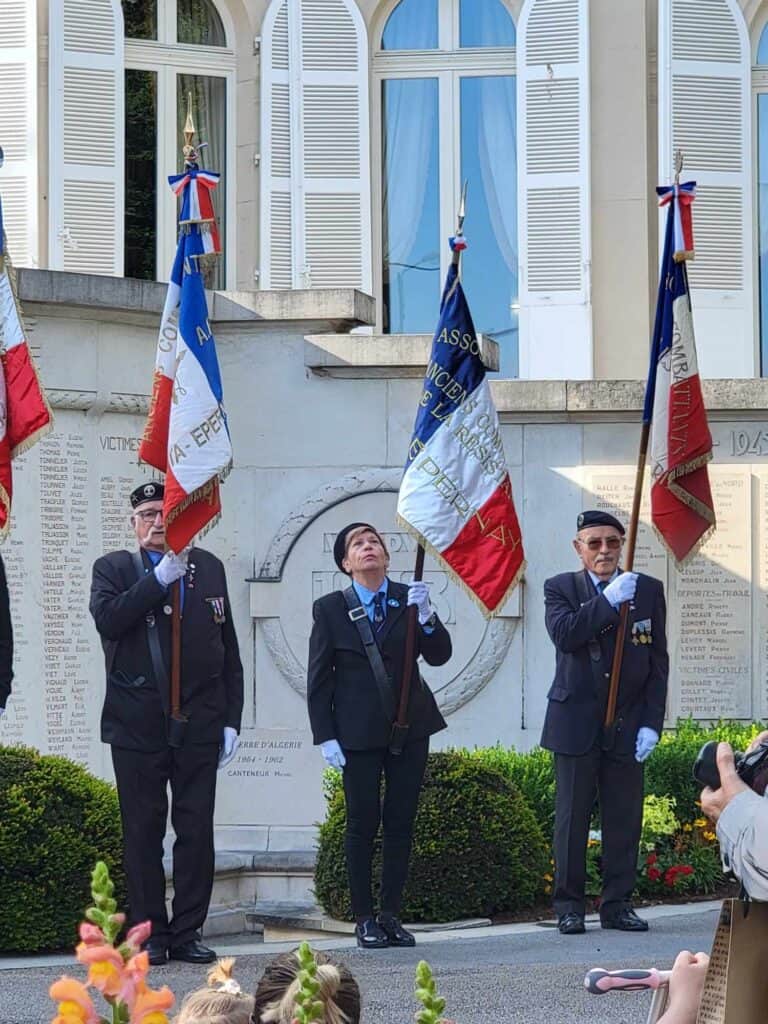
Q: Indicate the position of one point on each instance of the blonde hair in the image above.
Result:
(275, 998)
(221, 1002)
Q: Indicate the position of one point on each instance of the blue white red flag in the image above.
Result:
(456, 494)
(186, 434)
(25, 415)
(682, 510)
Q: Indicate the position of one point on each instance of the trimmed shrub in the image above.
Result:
(478, 849)
(533, 773)
(56, 821)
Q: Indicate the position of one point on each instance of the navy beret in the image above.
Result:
(340, 544)
(598, 518)
(150, 491)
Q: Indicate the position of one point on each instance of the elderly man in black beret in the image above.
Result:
(356, 663)
(131, 606)
(582, 612)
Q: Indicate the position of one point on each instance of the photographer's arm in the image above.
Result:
(742, 825)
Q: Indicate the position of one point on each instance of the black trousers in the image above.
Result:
(403, 774)
(142, 787)
(617, 781)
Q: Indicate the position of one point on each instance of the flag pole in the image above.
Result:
(629, 557)
(190, 160)
(400, 725)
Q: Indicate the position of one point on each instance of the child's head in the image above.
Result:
(275, 999)
(222, 1002)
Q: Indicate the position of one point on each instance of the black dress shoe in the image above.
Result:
(192, 952)
(371, 935)
(157, 950)
(626, 921)
(396, 934)
(571, 924)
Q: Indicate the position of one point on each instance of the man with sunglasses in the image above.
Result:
(131, 606)
(582, 613)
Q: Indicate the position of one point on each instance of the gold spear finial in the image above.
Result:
(678, 165)
(189, 151)
(460, 214)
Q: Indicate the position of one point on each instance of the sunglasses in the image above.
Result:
(149, 517)
(596, 543)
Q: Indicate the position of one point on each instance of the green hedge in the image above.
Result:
(56, 821)
(478, 849)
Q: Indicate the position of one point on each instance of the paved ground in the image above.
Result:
(514, 973)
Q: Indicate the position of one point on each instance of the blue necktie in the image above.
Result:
(378, 611)
(601, 585)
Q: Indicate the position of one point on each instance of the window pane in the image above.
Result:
(762, 205)
(209, 113)
(411, 26)
(489, 164)
(140, 18)
(762, 47)
(485, 23)
(140, 248)
(411, 205)
(199, 23)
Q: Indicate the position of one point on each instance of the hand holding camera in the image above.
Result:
(725, 774)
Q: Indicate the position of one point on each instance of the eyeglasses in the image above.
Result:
(149, 517)
(596, 543)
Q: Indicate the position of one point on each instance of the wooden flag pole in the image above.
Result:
(629, 558)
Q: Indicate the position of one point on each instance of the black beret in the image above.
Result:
(340, 544)
(150, 491)
(598, 518)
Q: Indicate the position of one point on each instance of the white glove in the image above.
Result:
(333, 754)
(621, 589)
(647, 739)
(230, 741)
(171, 567)
(418, 594)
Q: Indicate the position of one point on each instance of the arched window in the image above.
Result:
(445, 92)
(173, 49)
(760, 85)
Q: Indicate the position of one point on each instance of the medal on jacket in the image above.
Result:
(641, 632)
(217, 607)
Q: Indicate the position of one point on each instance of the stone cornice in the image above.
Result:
(127, 301)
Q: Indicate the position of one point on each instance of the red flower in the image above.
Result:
(651, 858)
(654, 874)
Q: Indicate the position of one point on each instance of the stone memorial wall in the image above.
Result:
(297, 479)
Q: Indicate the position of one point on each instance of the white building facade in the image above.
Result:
(344, 129)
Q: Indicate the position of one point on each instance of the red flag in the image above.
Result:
(682, 509)
(25, 415)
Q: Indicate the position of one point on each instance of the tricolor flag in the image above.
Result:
(682, 510)
(25, 415)
(456, 495)
(186, 434)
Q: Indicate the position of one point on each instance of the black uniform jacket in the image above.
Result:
(582, 626)
(136, 704)
(342, 695)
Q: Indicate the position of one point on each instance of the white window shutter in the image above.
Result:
(18, 129)
(316, 218)
(704, 110)
(86, 136)
(554, 190)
